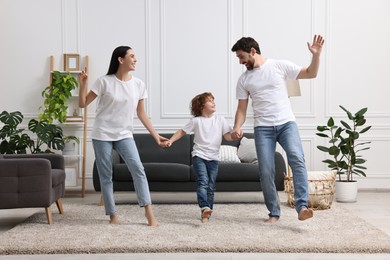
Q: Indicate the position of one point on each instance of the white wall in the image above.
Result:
(183, 48)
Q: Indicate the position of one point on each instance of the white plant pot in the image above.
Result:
(346, 191)
(69, 148)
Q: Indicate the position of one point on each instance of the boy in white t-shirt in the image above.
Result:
(208, 130)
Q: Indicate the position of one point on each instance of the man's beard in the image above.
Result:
(249, 66)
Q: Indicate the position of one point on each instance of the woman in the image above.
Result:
(120, 95)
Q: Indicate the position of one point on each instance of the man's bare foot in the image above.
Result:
(271, 220)
(114, 219)
(152, 221)
(305, 213)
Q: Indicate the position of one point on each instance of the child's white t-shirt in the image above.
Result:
(117, 102)
(208, 133)
(267, 88)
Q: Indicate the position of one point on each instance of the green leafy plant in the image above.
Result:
(55, 96)
(344, 146)
(47, 134)
(13, 140)
(69, 138)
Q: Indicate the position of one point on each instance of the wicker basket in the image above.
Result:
(321, 188)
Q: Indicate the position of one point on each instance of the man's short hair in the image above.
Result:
(246, 44)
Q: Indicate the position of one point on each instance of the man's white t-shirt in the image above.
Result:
(267, 88)
(208, 132)
(117, 102)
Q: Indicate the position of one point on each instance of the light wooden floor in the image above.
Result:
(373, 206)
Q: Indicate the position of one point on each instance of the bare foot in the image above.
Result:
(206, 213)
(152, 221)
(204, 220)
(271, 220)
(114, 219)
(305, 213)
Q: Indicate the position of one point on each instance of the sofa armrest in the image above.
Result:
(25, 182)
(57, 161)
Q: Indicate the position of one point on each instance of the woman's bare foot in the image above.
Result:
(305, 213)
(114, 219)
(271, 220)
(152, 221)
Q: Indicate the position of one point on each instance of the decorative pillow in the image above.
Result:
(247, 150)
(228, 154)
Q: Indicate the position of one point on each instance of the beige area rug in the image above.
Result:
(232, 228)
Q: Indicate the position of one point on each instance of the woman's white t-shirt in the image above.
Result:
(117, 102)
(267, 88)
(208, 132)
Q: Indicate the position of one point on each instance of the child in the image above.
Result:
(208, 130)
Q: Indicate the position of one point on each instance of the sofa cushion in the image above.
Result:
(238, 172)
(155, 172)
(247, 150)
(234, 172)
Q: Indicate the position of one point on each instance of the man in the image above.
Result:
(265, 82)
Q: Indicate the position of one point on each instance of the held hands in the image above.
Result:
(316, 46)
(236, 134)
(162, 141)
(166, 144)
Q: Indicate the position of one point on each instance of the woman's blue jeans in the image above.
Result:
(207, 172)
(128, 151)
(287, 136)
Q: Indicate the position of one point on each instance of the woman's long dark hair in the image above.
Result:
(114, 63)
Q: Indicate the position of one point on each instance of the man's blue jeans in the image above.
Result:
(128, 151)
(287, 136)
(206, 172)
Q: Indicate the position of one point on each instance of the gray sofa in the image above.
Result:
(170, 169)
(32, 181)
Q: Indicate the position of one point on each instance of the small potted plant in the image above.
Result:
(70, 142)
(56, 96)
(344, 149)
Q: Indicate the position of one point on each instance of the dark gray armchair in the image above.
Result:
(32, 181)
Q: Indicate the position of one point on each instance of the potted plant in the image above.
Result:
(47, 134)
(13, 140)
(344, 149)
(70, 145)
(56, 97)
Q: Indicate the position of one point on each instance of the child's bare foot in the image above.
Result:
(305, 213)
(205, 214)
(204, 220)
(152, 221)
(271, 220)
(114, 219)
